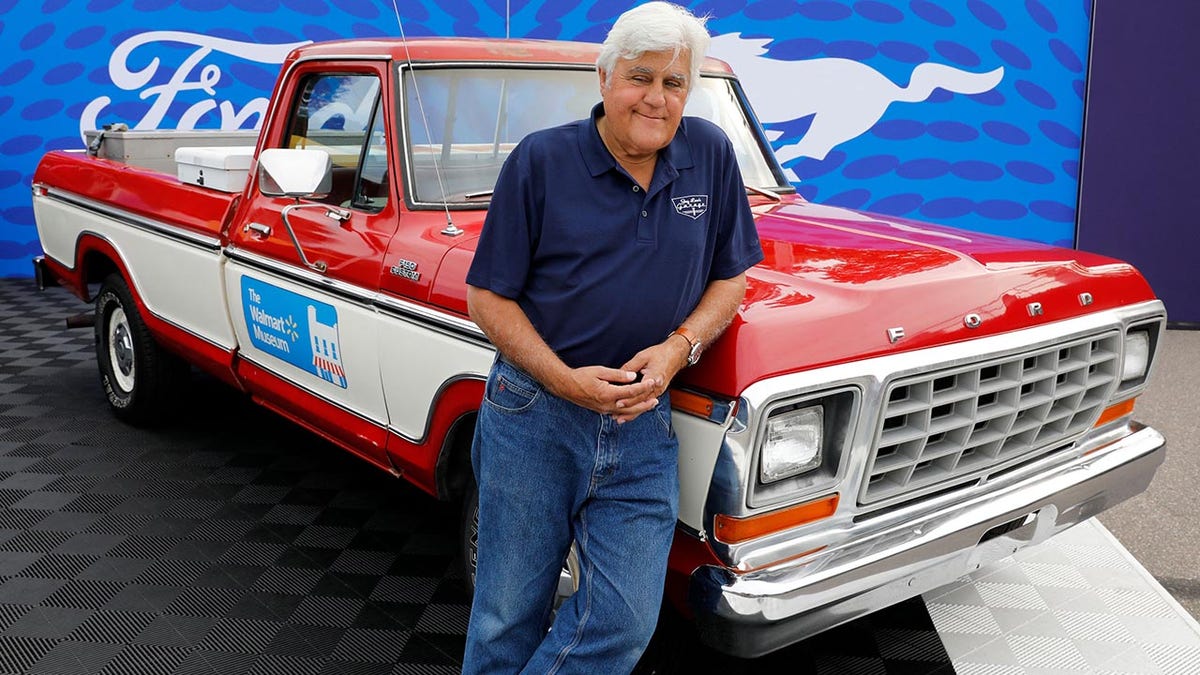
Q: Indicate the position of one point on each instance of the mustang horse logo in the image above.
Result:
(845, 97)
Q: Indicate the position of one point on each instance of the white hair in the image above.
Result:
(655, 27)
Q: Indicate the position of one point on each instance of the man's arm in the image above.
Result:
(716, 309)
(598, 388)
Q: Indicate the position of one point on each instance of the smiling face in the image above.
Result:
(643, 103)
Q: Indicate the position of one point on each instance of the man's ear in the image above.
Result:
(603, 79)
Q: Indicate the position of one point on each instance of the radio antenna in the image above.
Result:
(451, 230)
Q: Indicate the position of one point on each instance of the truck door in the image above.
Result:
(301, 301)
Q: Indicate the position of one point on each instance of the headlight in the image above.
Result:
(1137, 355)
(792, 443)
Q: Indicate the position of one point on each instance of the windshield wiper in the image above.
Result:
(477, 195)
(770, 194)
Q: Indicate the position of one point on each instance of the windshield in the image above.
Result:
(461, 123)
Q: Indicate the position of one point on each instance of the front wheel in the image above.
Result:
(568, 579)
(139, 377)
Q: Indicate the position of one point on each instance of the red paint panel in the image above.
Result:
(153, 194)
(362, 437)
(688, 554)
(418, 461)
(834, 281)
(421, 243)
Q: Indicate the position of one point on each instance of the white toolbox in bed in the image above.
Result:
(219, 168)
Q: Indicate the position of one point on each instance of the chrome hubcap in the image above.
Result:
(120, 349)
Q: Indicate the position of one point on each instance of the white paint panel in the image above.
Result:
(58, 227)
(179, 283)
(357, 331)
(699, 445)
(416, 361)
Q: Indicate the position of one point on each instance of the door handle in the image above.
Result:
(258, 228)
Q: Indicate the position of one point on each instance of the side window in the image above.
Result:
(371, 190)
(342, 114)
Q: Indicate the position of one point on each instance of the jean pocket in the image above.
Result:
(662, 412)
(511, 391)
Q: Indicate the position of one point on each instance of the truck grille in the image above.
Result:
(958, 424)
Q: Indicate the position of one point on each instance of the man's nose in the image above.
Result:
(656, 94)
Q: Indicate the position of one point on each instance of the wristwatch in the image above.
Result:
(694, 353)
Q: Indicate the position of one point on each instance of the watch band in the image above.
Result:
(693, 353)
(686, 334)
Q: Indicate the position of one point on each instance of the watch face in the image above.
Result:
(694, 354)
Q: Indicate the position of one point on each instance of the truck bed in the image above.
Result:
(155, 148)
(147, 196)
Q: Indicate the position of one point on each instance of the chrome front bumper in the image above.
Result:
(754, 613)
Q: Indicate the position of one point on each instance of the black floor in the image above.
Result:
(230, 541)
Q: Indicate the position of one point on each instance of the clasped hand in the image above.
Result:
(618, 391)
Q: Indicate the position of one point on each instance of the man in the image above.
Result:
(615, 248)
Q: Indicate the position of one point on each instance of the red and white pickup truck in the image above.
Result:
(896, 403)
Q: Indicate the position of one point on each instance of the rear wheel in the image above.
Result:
(139, 377)
(568, 579)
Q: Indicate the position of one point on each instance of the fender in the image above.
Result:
(93, 253)
(688, 554)
(435, 464)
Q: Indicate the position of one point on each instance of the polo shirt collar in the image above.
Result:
(677, 154)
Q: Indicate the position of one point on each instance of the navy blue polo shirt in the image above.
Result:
(603, 268)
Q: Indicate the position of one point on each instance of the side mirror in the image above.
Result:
(293, 172)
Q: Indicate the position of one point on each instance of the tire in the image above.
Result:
(568, 580)
(139, 377)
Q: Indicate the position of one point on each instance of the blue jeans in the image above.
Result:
(550, 472)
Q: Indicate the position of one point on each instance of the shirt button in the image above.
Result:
(643, 214)
(636, 188)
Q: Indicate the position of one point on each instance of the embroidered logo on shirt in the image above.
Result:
(692, 206)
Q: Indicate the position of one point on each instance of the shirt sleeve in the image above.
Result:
(505, 248)
(738, 247)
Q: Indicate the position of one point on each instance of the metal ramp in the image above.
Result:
(1077, 603)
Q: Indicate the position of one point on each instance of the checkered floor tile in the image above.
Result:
(230, 541)
(1078, 603)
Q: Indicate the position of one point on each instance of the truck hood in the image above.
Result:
(834, 282)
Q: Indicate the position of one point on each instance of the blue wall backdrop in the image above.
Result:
(962, 112)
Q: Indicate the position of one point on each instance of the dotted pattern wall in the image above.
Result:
(1004, 160)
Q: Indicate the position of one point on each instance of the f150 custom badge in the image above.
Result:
(406, 269)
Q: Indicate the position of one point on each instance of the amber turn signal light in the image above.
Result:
(731, 530)
(1112, 412)
(692, 403)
